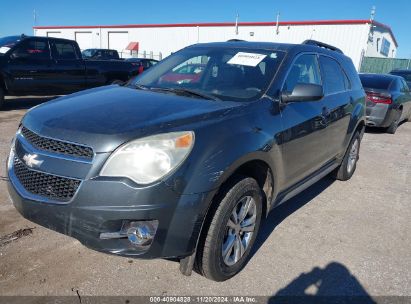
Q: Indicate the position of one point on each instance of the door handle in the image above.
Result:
(33, 71)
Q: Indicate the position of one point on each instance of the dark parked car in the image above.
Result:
(100, 54)
(406, 74)
(189, 170)
(184, 74)
(388, 100)
(142, 63)
(53, 66)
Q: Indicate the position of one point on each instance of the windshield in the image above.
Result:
(225, 73)
(6, 43)
(380, 82)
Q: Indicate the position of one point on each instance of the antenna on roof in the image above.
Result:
(373, 9)
(277, 26)
(34, 17)
(236, 23)
(372, 17)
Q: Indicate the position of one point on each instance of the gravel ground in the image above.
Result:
(336, 238)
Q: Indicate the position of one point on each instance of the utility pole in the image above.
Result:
(236, 23)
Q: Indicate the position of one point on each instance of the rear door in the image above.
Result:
(337, 104)
(304, 136)
(30, 67)
(69, 68)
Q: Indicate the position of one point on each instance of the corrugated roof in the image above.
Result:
(220, 24)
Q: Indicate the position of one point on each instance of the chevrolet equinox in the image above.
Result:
(187, 167)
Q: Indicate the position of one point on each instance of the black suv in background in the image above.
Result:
(188, 169)
(100, 54)
(53, 66)
(406, 74)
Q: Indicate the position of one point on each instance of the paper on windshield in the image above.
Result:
(248, 59)
(4, 49)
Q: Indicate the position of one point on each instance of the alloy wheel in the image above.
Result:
(239, 230)
(353, 156)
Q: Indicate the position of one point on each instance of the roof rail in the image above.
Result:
(235, 40)
(323, 45)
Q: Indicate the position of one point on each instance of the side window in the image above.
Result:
(347, 82)
(404, 87)
(333, 75)
(64, 50)
(33, 49)
(304, 70)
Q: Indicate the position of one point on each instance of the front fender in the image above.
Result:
(220, 150)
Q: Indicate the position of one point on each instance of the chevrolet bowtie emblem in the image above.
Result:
(31, 161)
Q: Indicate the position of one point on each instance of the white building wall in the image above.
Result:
(375, 44)
(351, 38)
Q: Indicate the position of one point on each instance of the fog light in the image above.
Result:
(139, 233)
(142, 233)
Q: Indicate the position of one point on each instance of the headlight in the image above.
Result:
(148, 159)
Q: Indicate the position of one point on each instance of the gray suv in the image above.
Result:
(188, 168)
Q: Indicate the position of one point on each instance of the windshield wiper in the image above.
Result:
(141, 87)
(188, 92)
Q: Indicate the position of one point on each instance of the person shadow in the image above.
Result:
(331, 284)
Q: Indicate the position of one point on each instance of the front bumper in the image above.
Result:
(101, 205)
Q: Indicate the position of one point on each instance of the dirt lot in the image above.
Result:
(336, 238)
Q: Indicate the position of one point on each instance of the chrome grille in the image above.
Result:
(47, 185)
(56, 146)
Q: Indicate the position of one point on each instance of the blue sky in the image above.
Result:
(17, 16)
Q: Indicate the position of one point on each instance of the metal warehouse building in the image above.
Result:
(357, 38)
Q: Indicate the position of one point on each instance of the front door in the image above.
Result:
(304, 137)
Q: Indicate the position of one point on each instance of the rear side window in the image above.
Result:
(404, 86)
(65, 50)
(380, 82)
(407, 76)
(334, 78)
(33, 49)
(304, 70)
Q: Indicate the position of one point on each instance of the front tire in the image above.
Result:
(349, 163)
(232, 231)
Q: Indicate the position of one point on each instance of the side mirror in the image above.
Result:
(304, 92)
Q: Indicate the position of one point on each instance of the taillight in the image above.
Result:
(379, 98)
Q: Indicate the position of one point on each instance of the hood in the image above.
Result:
(107, 117)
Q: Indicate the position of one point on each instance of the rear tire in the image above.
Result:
(225, 248)
(2, 101)
(347, 168)
(394, 125)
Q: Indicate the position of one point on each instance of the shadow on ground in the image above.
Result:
(332, 284)
(25, 103)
